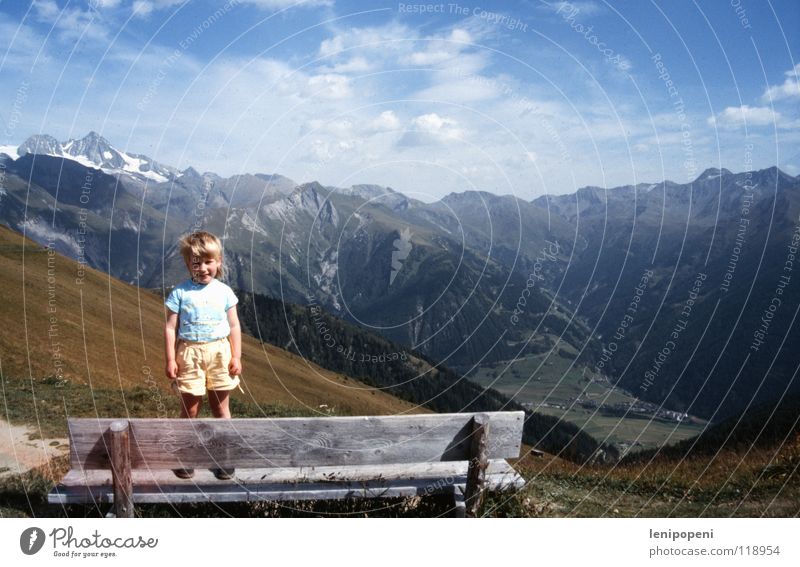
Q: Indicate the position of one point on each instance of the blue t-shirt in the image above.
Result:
(202, 309)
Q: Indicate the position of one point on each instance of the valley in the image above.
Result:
(554, 385)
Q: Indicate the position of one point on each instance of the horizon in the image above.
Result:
(303, 183)
(428, 99)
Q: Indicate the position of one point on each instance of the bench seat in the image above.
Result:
(277, 484)
(128, 461)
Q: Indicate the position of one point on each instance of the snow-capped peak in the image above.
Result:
(41, 144)
(96, 152)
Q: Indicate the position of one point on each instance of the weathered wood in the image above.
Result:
(292, 442)
(419, 479)
(121, 469)
(452, 472)
(459, 505)
(478, 463)
(127, 462)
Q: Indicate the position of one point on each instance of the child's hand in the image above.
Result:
(235, 367)
(172, 369)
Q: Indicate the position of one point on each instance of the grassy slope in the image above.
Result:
(108, 371)
(109, 337)
(762, 483)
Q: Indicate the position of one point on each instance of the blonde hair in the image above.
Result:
(201, 244)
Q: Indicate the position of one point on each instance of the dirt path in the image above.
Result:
(20, 453)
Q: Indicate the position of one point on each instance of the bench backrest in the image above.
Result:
(294, 442)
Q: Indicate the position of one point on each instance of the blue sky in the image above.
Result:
(522, 98)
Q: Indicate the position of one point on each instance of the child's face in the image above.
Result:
(204, 269)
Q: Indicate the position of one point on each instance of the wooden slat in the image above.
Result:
(420, 479)
(451, 470)
(292, 442)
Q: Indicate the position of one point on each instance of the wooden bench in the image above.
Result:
(126, 462)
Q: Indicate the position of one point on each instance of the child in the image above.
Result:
(209, 340)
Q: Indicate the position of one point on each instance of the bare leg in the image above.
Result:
(218, 400)
(190, 405)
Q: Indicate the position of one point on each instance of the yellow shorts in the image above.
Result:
(203, 366)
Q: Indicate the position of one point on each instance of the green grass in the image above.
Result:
(45, 404)
(552, 387)
(549, 379)
(644, 433)
(764, 482)
(561, 491)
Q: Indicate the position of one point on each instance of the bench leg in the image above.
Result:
(459, 504)
(478, 463)
(121, 469)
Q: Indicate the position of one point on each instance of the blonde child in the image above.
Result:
(202, 317)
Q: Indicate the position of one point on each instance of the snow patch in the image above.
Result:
(83, 160)
(133, 165)
(10, 151)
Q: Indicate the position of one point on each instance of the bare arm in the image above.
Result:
(235, 366)
(170, 332)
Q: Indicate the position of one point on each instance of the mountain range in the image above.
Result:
(683, 294)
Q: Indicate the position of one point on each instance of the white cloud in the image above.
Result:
(736, 116)
(70, 23)
(459, 35)
(431, 122)
(339, 128)
(331, 46)
(439, 49)
(281, 4)
(381, 42)
(323, 151)
(431, 129)
(387, 121)
(330, 85)
(142, 8)
(354, 65)
(430, 57)
(789, 89)
(462, 90)
(334, 138)
(46, 10)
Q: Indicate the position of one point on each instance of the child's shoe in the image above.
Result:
(183, 473)
(223, 474)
